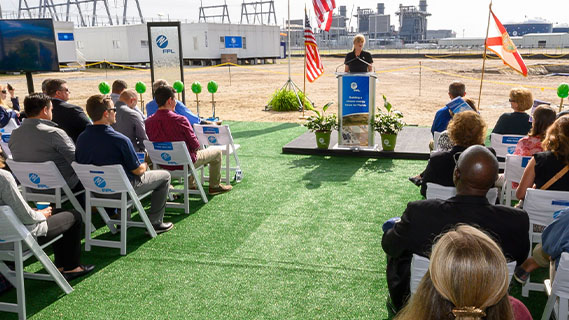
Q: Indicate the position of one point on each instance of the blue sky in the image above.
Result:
(463, 16)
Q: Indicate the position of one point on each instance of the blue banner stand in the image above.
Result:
(356, 111)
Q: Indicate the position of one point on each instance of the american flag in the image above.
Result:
(320, 8)
(314, 67)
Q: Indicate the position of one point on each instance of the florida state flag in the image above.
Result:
(499, 42)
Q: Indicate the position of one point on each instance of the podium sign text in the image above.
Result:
(356, 109)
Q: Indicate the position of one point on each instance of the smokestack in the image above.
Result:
(343, 11)
(380, 8)
(423, 5)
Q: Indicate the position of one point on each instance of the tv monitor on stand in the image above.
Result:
(28, 45)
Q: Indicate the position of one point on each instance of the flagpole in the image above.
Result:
(484, 56)
(304, 87)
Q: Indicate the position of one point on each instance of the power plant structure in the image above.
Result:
(413, 22)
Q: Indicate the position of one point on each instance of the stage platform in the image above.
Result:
(412, 143)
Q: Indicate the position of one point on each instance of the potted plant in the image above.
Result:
(388, 124)
(321, 124)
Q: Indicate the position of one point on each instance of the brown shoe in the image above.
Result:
(220, 189)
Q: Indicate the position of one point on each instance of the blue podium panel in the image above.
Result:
(356, 109)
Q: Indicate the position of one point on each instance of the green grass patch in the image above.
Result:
(298, 238)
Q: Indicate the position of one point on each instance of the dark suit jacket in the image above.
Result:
(424, 220)
(440, 169)
(71, 118)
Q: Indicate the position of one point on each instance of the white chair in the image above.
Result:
(514, 169)
(12, 231)
(4, 139)
(420, 266)
(45, 176)
(436, 191)
(176, 154)
(540, 206)
(11, 126)
(558, 291)
(436, 136)
(110, 180)
(220, 137)
(504, 144)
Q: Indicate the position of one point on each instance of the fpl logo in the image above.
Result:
(212, 139)
(162, 43)
(354, 87)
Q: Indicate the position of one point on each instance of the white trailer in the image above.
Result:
(200, 42)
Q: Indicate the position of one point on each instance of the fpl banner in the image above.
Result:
(166, 59)
(356, 109)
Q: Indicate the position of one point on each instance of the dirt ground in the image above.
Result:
(417, 91)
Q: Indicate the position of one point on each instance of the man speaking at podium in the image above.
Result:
(358, 60)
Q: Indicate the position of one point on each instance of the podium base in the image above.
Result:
(356, 148)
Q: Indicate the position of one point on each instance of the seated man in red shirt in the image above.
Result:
(167, 126)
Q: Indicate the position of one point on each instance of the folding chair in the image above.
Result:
(514, 169)
(219, 137)
(436, 191)
(5, 138)
(46, 176)
(11, 126)
(504, 144)
(558, 291)
(12, 231)
(540, 206)
(436, 136)
(420, 266)
(176, 154)
(110, 180)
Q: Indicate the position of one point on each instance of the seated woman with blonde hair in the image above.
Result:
(467, 279)
(516, 122)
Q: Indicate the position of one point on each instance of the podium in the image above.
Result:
(356, 110)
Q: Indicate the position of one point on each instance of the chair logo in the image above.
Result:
(161, 41)
(165, 156)
(212, 139)
(34, 178)
(511, 150)
(100, 182)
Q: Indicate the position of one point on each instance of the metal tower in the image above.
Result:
(224, 14)
(85, 11)
(259, 11)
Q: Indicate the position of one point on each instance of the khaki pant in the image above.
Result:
(211, 157)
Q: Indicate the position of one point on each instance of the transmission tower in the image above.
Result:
(224, 14)
(87, 12)
(260, 9)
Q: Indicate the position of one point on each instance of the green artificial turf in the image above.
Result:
(298, 238)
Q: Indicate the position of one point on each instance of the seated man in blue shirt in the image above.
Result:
(101, 145)
(443, 115)
(180, 108)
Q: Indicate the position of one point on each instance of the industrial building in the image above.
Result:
(413, 22)
(532, 40)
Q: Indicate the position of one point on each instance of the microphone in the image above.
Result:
(347, 62)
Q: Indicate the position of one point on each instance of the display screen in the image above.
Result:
(27, 45)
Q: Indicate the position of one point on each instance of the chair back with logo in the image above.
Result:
(514, 170)
(168, 153)
(176, 154)
(220, 137)
(13, 231)
(504, 144)
(541, 207)
(40, 175)
(11, 126)
(103, 179)
(4, 140)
